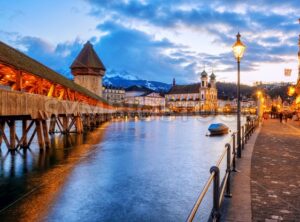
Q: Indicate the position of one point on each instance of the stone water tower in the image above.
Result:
(88, 69)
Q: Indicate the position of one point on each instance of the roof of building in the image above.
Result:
(112, 87)
(88, 58)
(18, 60)
(136, 88)
(213, 76)
(185, 89)
(148, 93)
(203, 74)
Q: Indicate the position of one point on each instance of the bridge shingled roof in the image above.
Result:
(17, 59)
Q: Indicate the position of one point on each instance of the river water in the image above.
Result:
(151, 169)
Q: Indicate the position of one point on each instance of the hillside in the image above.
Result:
(225, 90)
(228, 90)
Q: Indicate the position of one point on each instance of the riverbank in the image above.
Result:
(274, 178)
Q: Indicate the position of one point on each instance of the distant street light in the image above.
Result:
(259, 103)
(258, 93)
(238, 51)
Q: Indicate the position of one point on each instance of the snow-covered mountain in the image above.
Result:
(112, 73)
(124, 79)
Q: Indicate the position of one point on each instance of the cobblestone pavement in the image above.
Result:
(275, 173)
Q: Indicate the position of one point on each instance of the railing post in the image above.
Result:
(246, 134)
(243, 136)
(234, 153)
(249, 131)
(215, 214)
(228, 170)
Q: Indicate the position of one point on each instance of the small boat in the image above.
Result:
(218, 129)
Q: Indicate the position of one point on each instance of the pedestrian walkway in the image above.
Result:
(238, 208)
(270, 191)
(275, 173)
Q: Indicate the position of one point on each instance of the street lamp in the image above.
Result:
(238, 51)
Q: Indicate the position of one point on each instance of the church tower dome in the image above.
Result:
(204, 82)
(213, 80)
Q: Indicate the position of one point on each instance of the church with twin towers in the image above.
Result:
(197, 97)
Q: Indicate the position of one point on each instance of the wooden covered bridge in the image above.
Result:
(45, 102)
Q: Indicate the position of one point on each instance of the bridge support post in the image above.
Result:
(45, 132)
(101, 118)
(92, 120)
(98, 121)
(2, 123)
(95, 120)
(12, 134)
(39, 133)
(52, 124)
(24, 134)
(78, 124)
(65, 124)
(88, 121)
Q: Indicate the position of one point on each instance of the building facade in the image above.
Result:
(196, 97)
(230, 106)
(138, 95)
(114, 94)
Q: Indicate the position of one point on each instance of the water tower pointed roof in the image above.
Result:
(88, 58)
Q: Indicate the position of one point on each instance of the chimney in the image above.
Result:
(174, 82)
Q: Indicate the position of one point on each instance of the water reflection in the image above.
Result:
(31, 178)
(150, 169)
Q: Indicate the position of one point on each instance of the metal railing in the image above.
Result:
(223, 189)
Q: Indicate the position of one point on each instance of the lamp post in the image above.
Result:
(238, 51)
(259, 104)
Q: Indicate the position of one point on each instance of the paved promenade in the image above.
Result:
(275, 173)
(238, 208)
(270, 191)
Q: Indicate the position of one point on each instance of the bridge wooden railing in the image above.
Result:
(15, 103)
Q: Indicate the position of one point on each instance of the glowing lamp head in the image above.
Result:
(291, 91)
(298, 100)
(238, 48)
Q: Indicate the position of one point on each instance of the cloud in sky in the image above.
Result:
(159, 40)
(139, 53)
